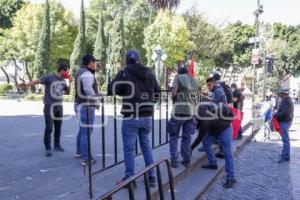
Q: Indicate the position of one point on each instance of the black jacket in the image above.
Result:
(139, 89)
(212, 124)
(285, 111)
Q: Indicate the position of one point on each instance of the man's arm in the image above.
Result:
(218, 96)
(68, 88)
(175, 87)
(31, 83)
(113, 89)
(203, 131)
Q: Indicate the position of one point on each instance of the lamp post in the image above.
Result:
(257, 13)
(158, 57)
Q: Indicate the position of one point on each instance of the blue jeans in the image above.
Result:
(81, 113)
(225, 141)
(188, 128)
(131, 128)
(285, 128)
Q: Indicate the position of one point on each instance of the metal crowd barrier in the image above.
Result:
(129, 183)
(164, 98)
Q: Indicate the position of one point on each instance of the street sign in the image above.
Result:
(255, 57)
(254, 40)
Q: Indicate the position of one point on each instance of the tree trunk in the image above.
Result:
(15, 76)
(6, 75)
(29, 76)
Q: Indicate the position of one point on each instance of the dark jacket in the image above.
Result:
(139, 89)
(216, 124)
(285, 111)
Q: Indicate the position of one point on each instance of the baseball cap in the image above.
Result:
(284, 91)
(87, 58)
(133, 56)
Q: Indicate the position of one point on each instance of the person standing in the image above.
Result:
(238, 103)
(86, 102)
(138, 87)
(285, 116)
(214, 121)
(184, 93)
(55, 88)
(219, 96)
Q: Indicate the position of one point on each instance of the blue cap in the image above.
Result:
(284, 91)
(133, 57)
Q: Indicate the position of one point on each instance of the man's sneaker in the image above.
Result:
(58, 148)
(186, 163)
(86, 162)
(283, 160)
(78, 155)
(174, 164)
(133, 183)
(209, 166)
(229, 183)
(152, 181)
(48, 153)
(220, 155)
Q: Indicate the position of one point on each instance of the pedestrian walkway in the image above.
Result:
(259, 175)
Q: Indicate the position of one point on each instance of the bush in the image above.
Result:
(4, 88)
(34, 97)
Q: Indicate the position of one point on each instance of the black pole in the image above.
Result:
(103, 132)
(115, 131)
(89, 150)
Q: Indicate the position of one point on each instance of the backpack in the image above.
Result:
(227, 91)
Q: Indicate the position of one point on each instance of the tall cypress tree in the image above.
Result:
(41, 62)
(80, 42)
(117, 46)
(100, 44)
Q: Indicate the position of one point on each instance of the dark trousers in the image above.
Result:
(53, 116)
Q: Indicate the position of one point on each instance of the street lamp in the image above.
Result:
(257, 13)
(158, 57)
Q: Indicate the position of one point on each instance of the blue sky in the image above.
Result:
(220, 11)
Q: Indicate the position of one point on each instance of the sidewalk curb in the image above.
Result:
(195, 165)
(222, 168)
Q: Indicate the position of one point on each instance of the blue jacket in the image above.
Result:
(219, 94)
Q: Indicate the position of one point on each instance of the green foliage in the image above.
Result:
(4, 88)
(117, 43)
(100, 45)
(284, 45)
(136, 16)
(237, 37)
(171, 33)
(80, 42)
(21, 40)
(8, 9)
(41, 63)
(164, 4)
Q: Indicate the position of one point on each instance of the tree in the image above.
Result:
(117, 43)
(237, 37)
(80, 42)
(41, 63)
(100, 43)
(21, 40)
(136, 17)
(171, 33)
(164, 4)
(8, 9)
